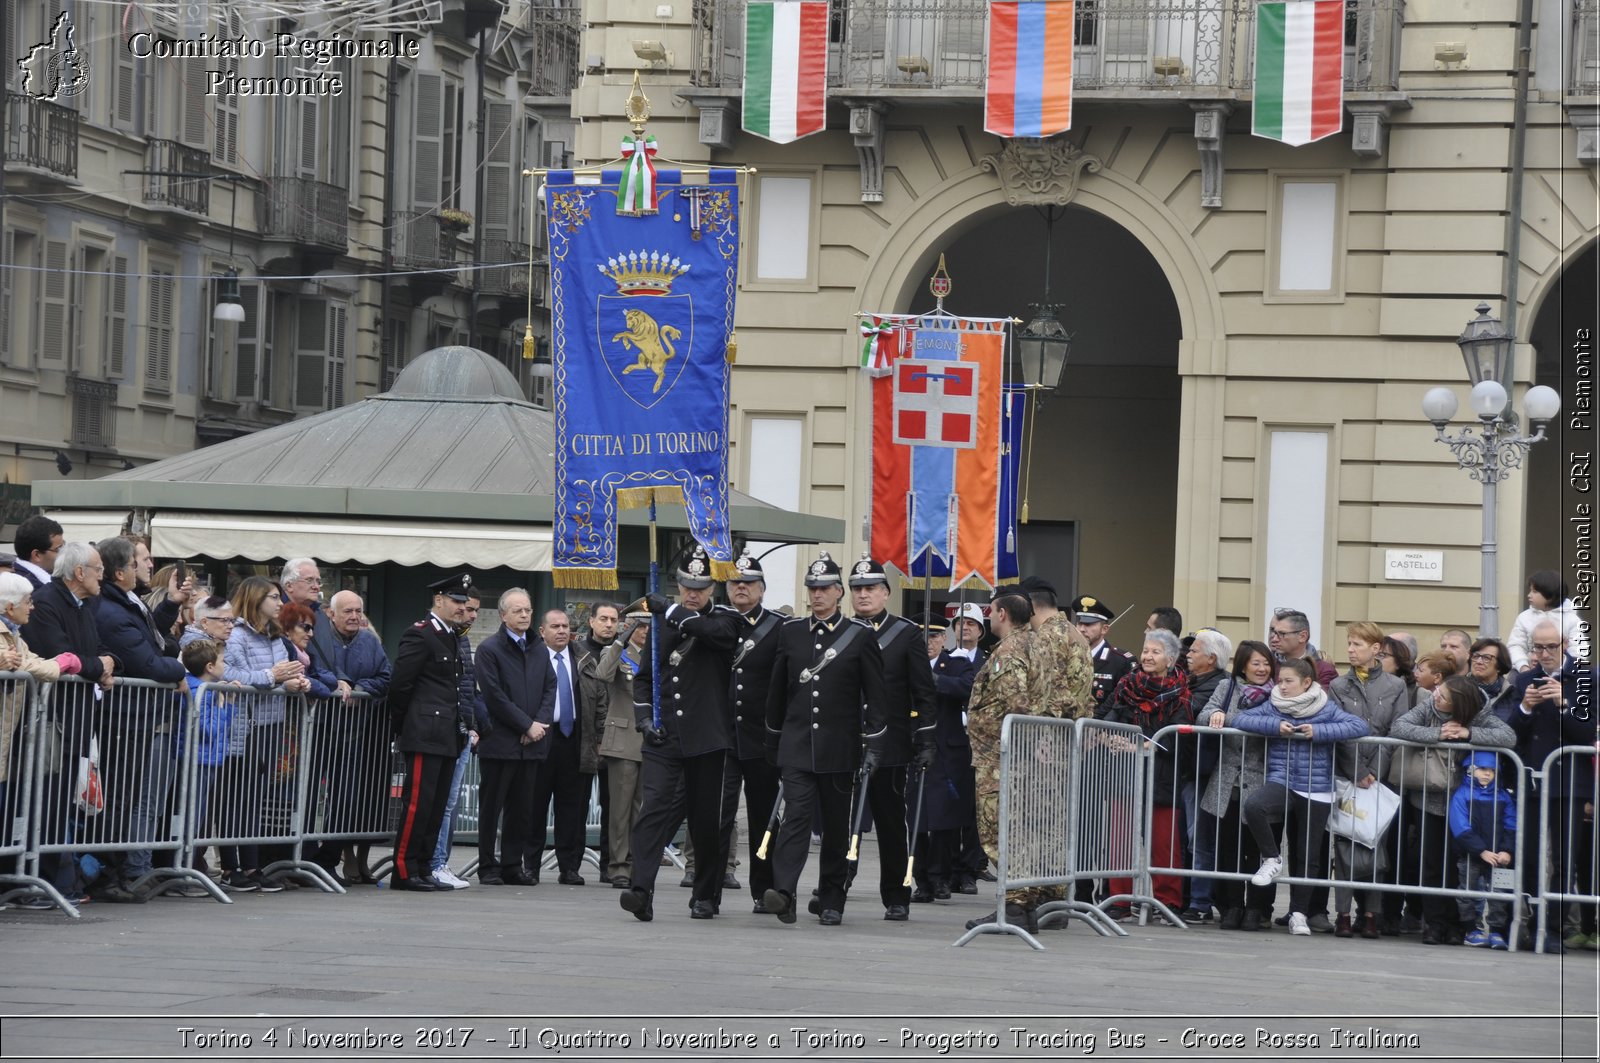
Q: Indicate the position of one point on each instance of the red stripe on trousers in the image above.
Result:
(403, 841)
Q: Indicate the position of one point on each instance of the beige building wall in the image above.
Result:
(1421, 237)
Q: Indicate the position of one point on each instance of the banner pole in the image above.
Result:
(655, 624)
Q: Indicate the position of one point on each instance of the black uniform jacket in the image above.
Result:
(823, 717)
(752, 679)
(425, 693)
(518, 687)
(907, 684)
(694, 687)
(1110, 665)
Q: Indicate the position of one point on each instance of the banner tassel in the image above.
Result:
(584, 579)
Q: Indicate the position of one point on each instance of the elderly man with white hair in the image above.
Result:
(301, 580)
(1206, 661)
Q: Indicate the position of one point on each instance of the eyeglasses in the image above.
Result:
(1546, 647)
(1274, 633)
(305, 627)
(230, 621)
(1380, 656)
(1485, 657)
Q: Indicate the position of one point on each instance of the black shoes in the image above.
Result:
(1255, 919)
(814, 905)
(897, 913)
(570, 878)
(520, 878)
(729, 882)
(1015, 914)
(967, 884)
(779, 904)
(415, 885)
(941, 889)
(759, 908)
(920, 895)
(622, 882)
(639, 903)
(1232, 919)
(829, 917)
(688, 880)
(702, 910)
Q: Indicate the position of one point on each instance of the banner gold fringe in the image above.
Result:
(722, 571)
(640, 497)
(584, 579)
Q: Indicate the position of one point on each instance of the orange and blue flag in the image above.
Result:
(1029, 88)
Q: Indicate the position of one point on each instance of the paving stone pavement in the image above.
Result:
(125, 980)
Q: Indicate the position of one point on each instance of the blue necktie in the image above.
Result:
(563, 697)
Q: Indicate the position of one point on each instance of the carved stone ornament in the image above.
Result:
(1040, 171)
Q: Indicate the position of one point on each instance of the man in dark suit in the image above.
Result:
(139, 722)
(909, 713)
(425, 701)
(561, 778)
(38, 540)
(827, 676)
(685, 749)
(947, 786)
(746, 764)
(1093, 618)
(518, 686)
(63, 622)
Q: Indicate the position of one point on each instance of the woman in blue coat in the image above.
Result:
(1299, 788)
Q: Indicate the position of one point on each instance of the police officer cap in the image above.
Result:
(457, 588)
(1086, 609)
(971, 611)
(867, 572)
(749, 570)
(932, 623)
(695, 572)
(823, 572)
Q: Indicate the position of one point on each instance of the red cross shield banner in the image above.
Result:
(936, 403)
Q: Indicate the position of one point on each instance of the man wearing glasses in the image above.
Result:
(1555, 708)
(1289, 636)
(302, 584)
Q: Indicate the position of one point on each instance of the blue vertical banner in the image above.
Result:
(641, 317)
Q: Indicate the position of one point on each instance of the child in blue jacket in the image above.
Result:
(1483, 822)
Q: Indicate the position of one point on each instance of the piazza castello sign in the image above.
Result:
(1414, 565)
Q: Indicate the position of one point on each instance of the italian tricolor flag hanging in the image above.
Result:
(785, 68)
(1299, 70)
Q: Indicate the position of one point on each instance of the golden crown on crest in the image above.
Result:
(637, 273)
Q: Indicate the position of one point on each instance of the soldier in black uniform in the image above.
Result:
(828, 672)
(948, 787)
(747, 696)
(683, 757)
(909, 711)
(1093, 617)
(425, 702)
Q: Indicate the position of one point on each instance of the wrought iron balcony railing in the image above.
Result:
(509, 275)
(41, 134)
(421, 241)
(1119, 46)
(305, 212)
(557, 32)
(94, 412)
(187, 193)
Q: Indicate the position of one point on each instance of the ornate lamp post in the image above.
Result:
(1043, 345)
(1496, 447)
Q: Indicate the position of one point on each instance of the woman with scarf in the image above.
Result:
(1489, 665)
(1241, 770)
(1455, 714)
(1157, 696)
(1299, 788)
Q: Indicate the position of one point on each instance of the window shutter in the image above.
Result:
(500, 140)
(53, 293)
(308, 141)
(13, 47)
(125, 87)
(450, 146)
(310, 353)
(225, 146)
(246, 347)
(426, 131)
(117, 319)
(158, 334)
(269, 313)
(195, 129)
(336, 334)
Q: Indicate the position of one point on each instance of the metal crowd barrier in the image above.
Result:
(351, 752)
(21, 715)
(1112, 842)
(135, 805)
(1571, 841)
(1328, 861)
(255, 812)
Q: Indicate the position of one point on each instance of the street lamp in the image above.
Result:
(1495, 448)
(1043, 345)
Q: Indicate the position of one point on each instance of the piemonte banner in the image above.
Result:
(641, 314)
(946, 441)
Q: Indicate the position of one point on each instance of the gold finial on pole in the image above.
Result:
(939, 284)
(637, 110)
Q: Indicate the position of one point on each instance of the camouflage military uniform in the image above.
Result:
(1004, 686)
(1063, 674)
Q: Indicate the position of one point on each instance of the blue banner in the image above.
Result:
(641, 315)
